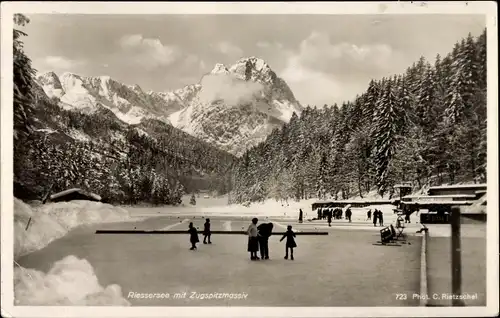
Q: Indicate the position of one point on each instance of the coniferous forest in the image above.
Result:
(426, 126)
(148, 162)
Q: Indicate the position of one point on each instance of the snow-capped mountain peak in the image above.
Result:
(233, 107)
(238, 106)
(51, 81)
(219, 69)
(253, 68)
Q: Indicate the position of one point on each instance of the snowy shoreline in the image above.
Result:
(36, 226)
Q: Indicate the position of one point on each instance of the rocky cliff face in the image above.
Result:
(233, 108)
(238, 106)
(129, 102)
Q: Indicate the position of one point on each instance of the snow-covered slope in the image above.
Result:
(233, 108)
(236, 107)
(129, 102)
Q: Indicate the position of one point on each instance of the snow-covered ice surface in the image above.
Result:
(70, 281)
(53, 220)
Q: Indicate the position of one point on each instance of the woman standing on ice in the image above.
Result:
(290, 242)
(253, 241)
(193, 236)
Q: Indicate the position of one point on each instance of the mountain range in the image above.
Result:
(232, 107)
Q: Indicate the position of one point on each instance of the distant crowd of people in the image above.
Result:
(337, 214)
(330, 213)
(258, 238)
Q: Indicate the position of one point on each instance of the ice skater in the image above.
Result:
(381, 218)
(369, 215)
(290, 242)
(348, 214)
(193, 236)
(265, 231)
(253, 241)
(329, 216)
(375, 217)
(206, 232)
(407, 216)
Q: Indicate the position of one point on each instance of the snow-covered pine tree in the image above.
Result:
(388, 125)
(322, 174)
(23, 80)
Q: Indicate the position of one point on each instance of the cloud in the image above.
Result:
(57, 64)
(263, 44)
(311, 86)
(191, 60)
(228, 88)
(148, 52)
(322, 72)
(229, 49)
(266, 45)
(317, 52)
(203, 65)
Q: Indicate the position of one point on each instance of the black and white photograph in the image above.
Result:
(249, 159)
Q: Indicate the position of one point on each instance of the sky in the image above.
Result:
(325, 59)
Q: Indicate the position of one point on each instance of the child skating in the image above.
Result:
(193, 236)
(290, 242)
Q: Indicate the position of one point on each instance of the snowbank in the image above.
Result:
(35, 227)
(71, 281)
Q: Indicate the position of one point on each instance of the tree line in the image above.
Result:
(426, 126)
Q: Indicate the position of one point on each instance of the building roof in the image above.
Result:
(459, 186)
(77, 190)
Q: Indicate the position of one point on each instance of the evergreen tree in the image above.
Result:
(23, 81)
(388, 126)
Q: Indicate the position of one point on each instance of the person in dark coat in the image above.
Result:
(301, 216)
(407, 216)
(375, 217)
(369, 215)
(253, 241)
(348, 214)
(381, 218)
(193, 238)
(319, 214)
(290, 242)
(330, 214)
(206, 232)
(265, 231)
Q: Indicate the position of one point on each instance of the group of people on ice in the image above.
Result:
(258, 238)
(193, 234)
(377, 216)
(329, 214)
